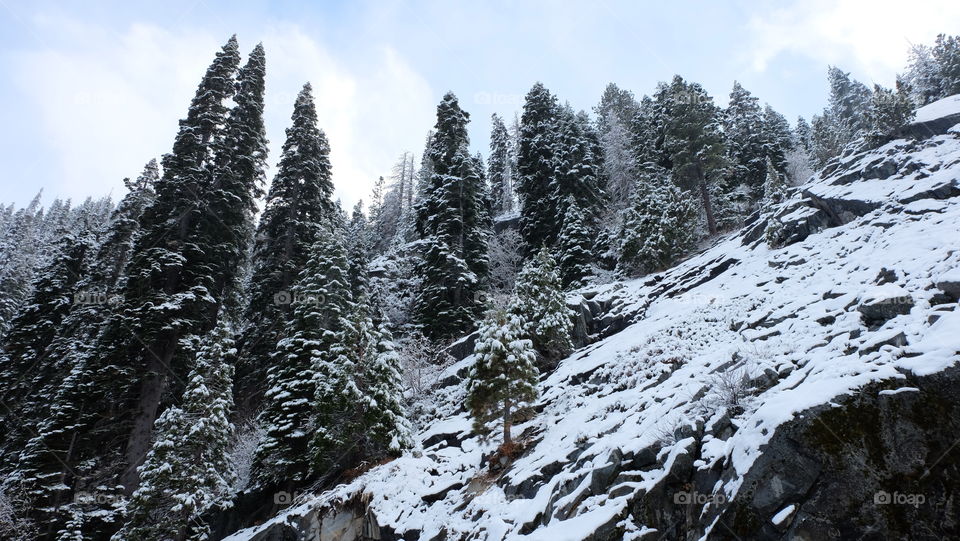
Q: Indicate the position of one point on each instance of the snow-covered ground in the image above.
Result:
(938, 109)
(778, 332)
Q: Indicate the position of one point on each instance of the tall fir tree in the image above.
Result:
(535, 168)
(743, 123)
(299, 199)
(574, 247)
(187, 470)
(239, 170)
(694, 141)
(320, 301)
(453, 219)
(777, 138)
(578, 169)
(658, 227)
(503, 380)
(541, 303)
(499, 167)
(169, 295)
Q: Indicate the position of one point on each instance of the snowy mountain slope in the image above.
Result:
(758, 393)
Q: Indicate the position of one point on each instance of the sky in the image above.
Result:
(91, 91)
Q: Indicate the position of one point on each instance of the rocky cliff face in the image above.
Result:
(804, 392)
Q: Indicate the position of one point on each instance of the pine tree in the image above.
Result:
(385, 423)
(503, 380)
(238, 174)
(187, 470)
(888, 111)
(320, 300)
(499, 167)
(619, 160)
(453, 218)
(775, 186)
(616, 107)
(849, 99)
(360, 416)
(658, 227)
(777, 138)
(802, 135)
(577, 171)
(358, 252)
(535, 168)
(19, 259)
(923, 75)
(743, 122)
(574, 247)
(299, 199)
(694, 141)
(540, 302)
(946, 54)
(25, 366)
(168, 296)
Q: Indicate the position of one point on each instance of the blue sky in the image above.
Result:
(89, 93)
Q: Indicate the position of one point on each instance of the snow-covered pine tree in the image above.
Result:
(693, 139)
(888, 111)
(359, 396)
(801, 135)
(19, 257)
(774, 187)
(541, 304)
(358, 252)
(922, 76)
(300, 198)
(849, 99)
(535, 168)
(386, 427)
(499, 167)
(320, 300)
(453, 219)
(658, 227)
(946, 54)
(578, 169)
(743, 127)
(25, 364)
(777, 138)
(617, 106)
(187, 471)
(64, 397)
(167, 296)
(239, 170)
(575, 247)
(619, 160)
(648, 127)
(503, 380)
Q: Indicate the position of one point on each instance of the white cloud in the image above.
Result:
(110, 104)
(872, 35)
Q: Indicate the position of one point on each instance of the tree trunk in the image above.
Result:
(507, 421)
(151, 391)
(707, 205)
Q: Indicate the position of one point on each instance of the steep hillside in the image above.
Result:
(807, 391)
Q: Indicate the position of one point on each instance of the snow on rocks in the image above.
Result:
(718, 355)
